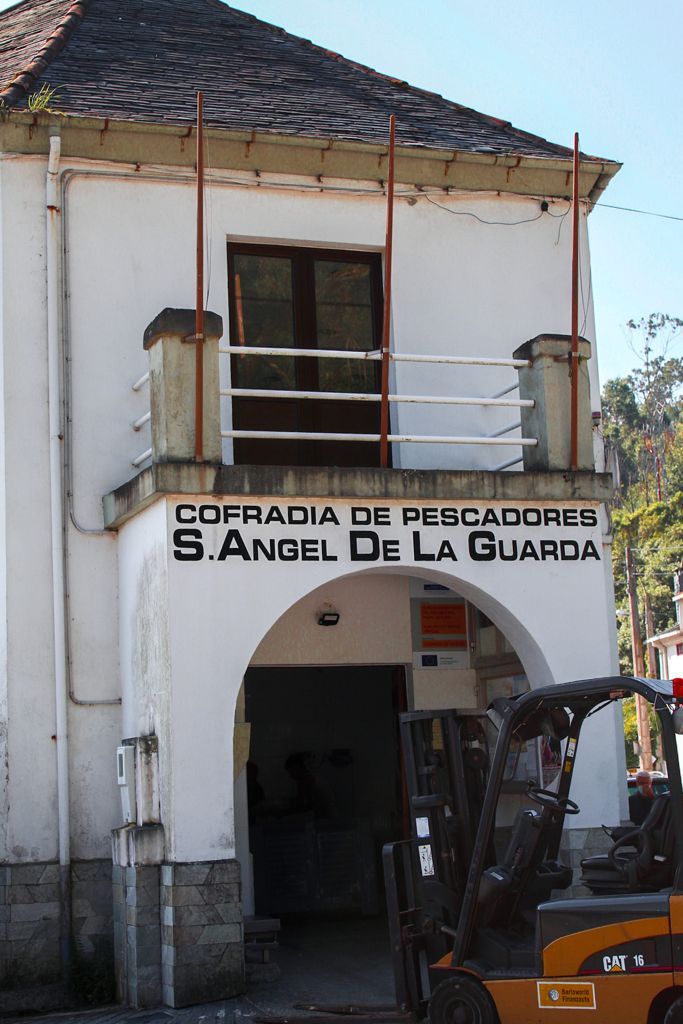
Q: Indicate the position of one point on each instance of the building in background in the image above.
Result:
(205, 659)
(669, 645)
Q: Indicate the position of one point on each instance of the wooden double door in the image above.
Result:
(306, 298)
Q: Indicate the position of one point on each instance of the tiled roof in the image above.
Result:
(144, 60)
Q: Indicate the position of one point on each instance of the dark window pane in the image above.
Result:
(344, 316)
(264, 315)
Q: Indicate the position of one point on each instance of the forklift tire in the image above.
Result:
(462, 1000)
(674, 1015)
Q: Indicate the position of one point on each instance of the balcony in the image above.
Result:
(529, 440)
(532, 405)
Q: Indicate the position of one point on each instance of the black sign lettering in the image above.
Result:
(358, 544)
(188, 545)
(519, 536)
(233, 545)
(418, 554)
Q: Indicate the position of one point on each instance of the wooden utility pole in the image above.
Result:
(642, 706)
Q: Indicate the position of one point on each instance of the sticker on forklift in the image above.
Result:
(422, 828)
(426, 862)
(560, 995)
(569, 756)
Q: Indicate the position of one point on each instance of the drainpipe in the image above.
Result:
(53, 214)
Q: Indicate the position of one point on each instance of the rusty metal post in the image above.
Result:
(199, 308)
(574, 358)
(386, 322)
(642, 706)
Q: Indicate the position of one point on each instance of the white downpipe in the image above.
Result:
(53, 214)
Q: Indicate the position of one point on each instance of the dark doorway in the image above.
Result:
(304, 298)
(325, 786)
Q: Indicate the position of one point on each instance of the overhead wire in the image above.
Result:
(482, 220)
(416, 193)
(644, 213)
(561, 217)
(420, 191)
(379, 190)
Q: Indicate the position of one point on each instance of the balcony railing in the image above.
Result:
(497, 400)
(501, 399)
(139, 423)
(536, 432)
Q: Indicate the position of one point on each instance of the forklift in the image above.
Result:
(483, 923)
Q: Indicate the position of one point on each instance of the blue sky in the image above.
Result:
(609, 70)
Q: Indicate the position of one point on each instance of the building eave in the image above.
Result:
(664, 639)
(143, 143)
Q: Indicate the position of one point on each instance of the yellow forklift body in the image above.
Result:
(606, 1000)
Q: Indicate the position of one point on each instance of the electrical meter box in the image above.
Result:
(125, 770)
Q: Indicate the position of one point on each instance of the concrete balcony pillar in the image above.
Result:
(169, 339)
(546, 380)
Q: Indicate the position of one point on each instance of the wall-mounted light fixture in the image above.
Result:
(328, 618)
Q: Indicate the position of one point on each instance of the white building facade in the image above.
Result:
(176, 608)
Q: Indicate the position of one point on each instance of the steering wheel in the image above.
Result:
(547, 799)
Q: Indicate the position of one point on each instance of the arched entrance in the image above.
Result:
(211, 589)
(320, 788)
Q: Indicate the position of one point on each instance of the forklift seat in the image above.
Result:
(641, 861)
(523, 875)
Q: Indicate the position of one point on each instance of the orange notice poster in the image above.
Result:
(443, 626)
(443, 619)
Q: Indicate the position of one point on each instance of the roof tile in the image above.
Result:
(144, 60)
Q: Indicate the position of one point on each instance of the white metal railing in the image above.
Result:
(142, 457)
(507, 390)
(497, 400)
(506, 430)
(365, 396)
(293, 435)
(500, 399)
(139, 423)
(506, 465)
(373, 356)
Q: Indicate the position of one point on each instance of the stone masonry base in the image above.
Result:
(177, 929)
(30, 923)
(137, 935)
(178, 933)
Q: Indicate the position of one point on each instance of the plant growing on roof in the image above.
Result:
(40, 101)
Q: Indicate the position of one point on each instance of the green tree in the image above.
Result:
(643, 428)
(656, 384)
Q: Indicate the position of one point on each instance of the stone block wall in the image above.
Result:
(178, 936)
(30, 928)
(29, 925)
(91, 908)
(202, 947)
(137, 935)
